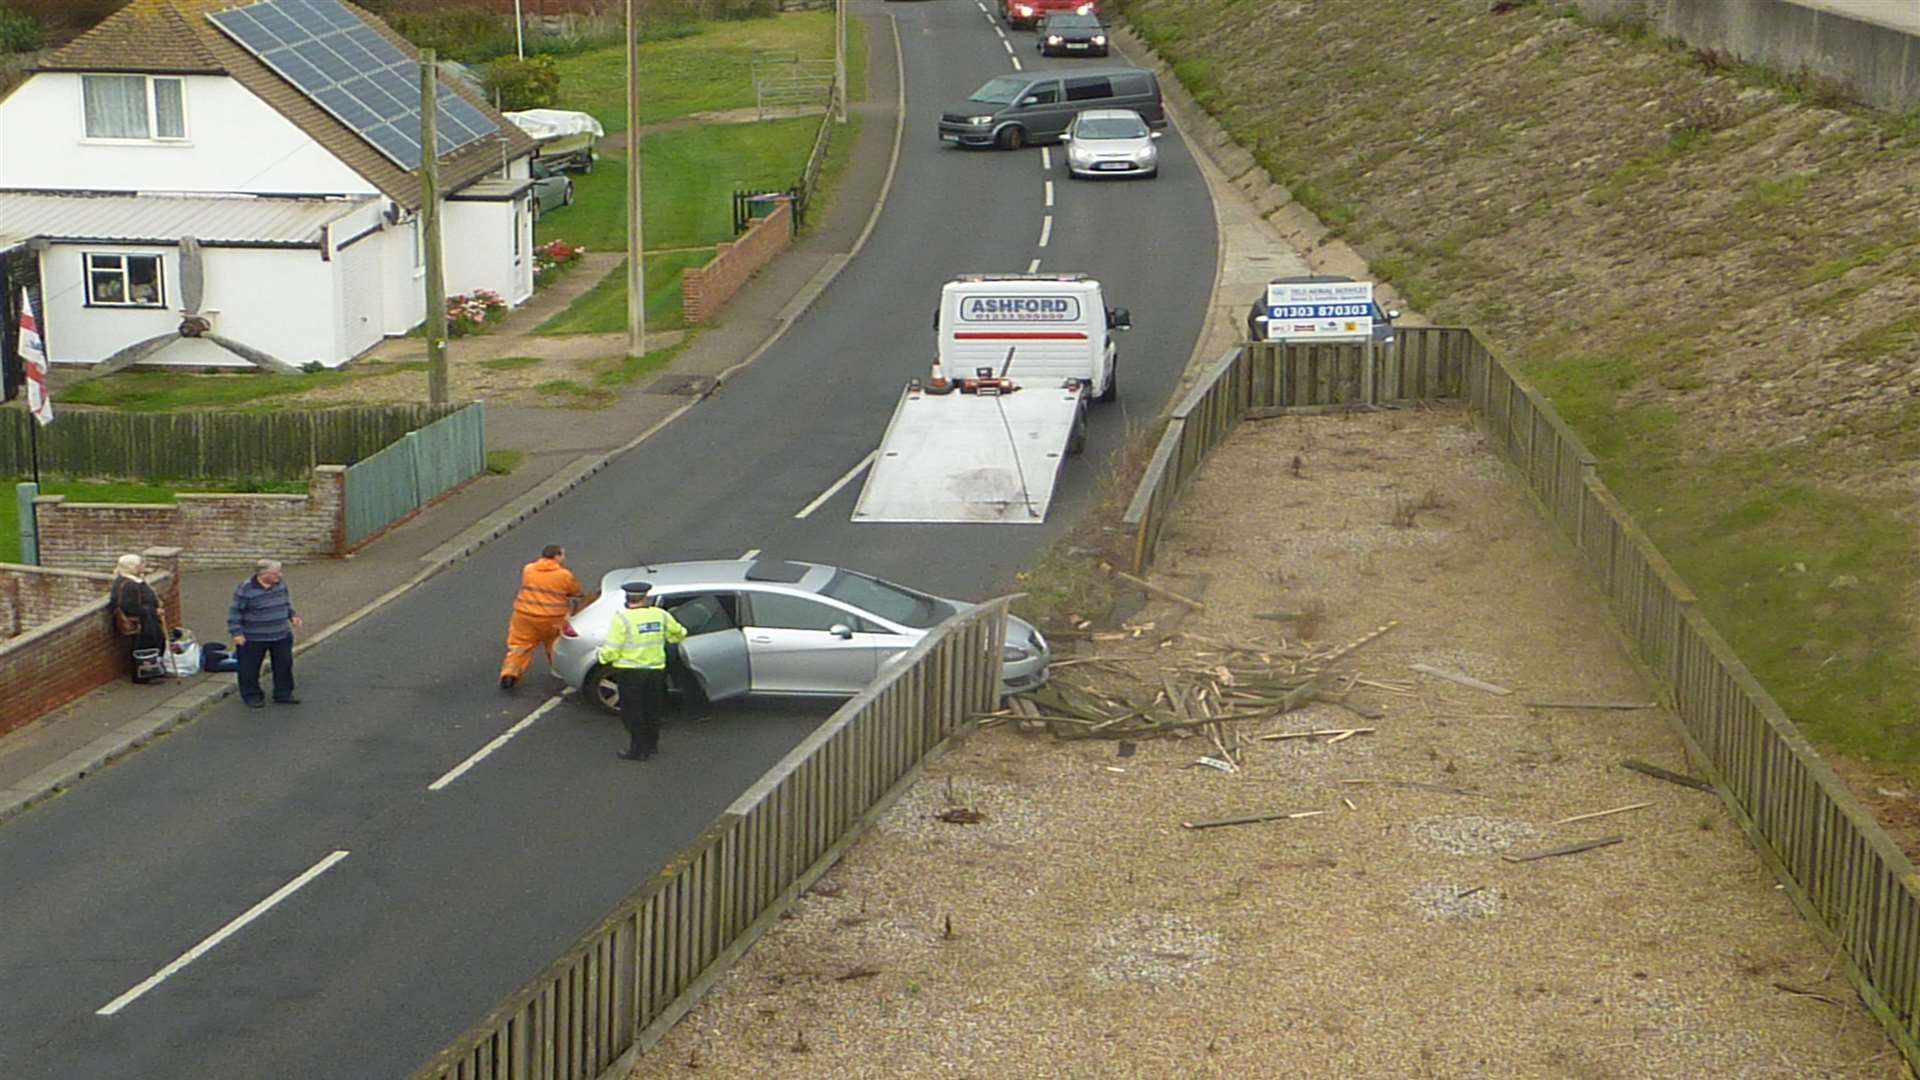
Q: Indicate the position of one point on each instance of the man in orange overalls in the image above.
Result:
(548, 594)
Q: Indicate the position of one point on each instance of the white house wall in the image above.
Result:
(403, 286)
(476, 239)
(235, 143)
(280, 301)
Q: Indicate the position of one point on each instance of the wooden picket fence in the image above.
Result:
(625, 982)
(416, 469)
(1847, 877)
(204, 445)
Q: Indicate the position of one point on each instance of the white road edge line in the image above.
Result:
(1033, 267)
(1049, 193)
(499, 741)
(219, 935)
(1046, 228)
(837, 485)
(1046, 157)
(751, 552)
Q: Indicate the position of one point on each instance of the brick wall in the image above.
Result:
(212, 530)
(70, 652)
(704, 290)
(30, 595)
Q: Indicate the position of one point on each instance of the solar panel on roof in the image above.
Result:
(351, 70)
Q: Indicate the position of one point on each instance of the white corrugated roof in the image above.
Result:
(145, 218)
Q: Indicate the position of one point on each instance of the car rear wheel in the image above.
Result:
(602, 689)
(567, 200)
(1012, 137)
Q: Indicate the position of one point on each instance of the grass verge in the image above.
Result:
(708, 70)
(603, 308)
(168, 391)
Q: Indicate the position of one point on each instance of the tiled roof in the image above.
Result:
(174, 37)
(164, 219)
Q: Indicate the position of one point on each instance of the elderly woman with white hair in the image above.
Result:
(137, 612)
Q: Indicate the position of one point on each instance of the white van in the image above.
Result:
(1048, 327)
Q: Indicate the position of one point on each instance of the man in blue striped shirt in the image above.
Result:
(262, 621)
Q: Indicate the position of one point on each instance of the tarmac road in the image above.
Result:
(446, 901)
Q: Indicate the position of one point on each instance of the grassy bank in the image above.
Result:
(1711, 270)
(707, 70)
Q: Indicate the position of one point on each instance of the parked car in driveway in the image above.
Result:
(551, 190)
(766, 626)
(1111, 142)
(1257, 319)
(1069, 33)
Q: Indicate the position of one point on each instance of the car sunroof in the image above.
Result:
(773, 570)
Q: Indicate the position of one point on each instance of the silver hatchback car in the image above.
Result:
(771, 627)
(1111, 142)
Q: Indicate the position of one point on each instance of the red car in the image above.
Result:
(1026, 14)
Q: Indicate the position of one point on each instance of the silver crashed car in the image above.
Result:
(1111, 142)
(766, 626)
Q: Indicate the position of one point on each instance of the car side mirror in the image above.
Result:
(1030, 99)
(841, 631)
(1393, 314)
(1120, 319)
(1155, 134)
(1065, 138)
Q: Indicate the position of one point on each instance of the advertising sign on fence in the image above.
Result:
(1319, 311)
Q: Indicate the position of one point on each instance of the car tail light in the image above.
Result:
(1024, 10)
(567, 630)
(1083, 9)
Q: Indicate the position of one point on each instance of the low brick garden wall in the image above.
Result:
(212, 530)
(703, 291)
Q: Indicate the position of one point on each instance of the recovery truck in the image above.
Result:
(1021, 358)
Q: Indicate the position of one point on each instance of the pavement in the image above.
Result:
(562, 447)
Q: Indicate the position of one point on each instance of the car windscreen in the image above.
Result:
(887, 600)
(1110, 128)
(1072, 22)
(1002, 91)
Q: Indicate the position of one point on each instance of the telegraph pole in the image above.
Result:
(430, 233)
(840, 60)
(636, 276)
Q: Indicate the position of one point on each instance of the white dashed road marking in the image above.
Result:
(499, 741)
(1033, 267)
(1046, 229)
(751, 552)
(1046, 157)
(1049, 193)
(838, 484)
(220, 935)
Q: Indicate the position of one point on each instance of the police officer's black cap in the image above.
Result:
(638, 588)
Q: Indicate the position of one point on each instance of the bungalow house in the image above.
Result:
(224, 182)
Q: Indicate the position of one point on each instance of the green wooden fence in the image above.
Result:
(414, 471)
(205, 445)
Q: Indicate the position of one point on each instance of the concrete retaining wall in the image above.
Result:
(1871, 45)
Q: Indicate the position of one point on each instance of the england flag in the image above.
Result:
(33, 353)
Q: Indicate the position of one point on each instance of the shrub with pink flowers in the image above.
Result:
(469, 313)
(553, 258)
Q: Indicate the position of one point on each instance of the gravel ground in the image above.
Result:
(1077, 930)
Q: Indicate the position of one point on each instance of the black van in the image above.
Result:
(1036, 106)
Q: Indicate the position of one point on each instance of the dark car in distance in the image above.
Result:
(1067, 33)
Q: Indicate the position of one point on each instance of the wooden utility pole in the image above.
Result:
(840, 61)
(636, 275)
(430, 233)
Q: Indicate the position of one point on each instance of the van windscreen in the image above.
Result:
(1002, 91)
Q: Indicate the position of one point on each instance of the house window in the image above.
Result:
(135, 106)
(124, 281)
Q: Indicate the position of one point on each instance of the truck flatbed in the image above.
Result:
(972, 457)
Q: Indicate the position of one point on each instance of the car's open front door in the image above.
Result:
(715, 648)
